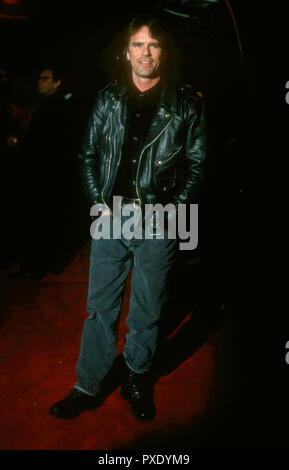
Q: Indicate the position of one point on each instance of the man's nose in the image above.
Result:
(147, 50)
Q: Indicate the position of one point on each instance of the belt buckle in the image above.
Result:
(135, 203)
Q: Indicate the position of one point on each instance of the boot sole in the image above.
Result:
(55, 415)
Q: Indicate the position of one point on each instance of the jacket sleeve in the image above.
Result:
(196, 149)
(88, 156)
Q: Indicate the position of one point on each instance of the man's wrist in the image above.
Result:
(99, 209)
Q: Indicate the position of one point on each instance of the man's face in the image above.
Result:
(144, 54)
(46, 83)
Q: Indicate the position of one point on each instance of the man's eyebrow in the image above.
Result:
(151, 42)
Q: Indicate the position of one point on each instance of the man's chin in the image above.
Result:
(148, 74)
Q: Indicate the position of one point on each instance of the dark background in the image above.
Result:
(85, 40)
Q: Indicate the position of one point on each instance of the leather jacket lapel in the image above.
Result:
(165, 110)
(163, 116)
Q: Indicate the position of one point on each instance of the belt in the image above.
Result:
(127, 200)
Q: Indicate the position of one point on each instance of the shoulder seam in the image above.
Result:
(197, 94)
(109, 85)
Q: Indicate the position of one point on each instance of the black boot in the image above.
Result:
(76, 402)
(137, 389)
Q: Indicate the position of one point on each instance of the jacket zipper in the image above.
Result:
(148, 145)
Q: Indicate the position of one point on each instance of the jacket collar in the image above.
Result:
(119, 90)
(167, 100)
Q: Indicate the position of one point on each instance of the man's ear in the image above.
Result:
(127, 55)
(57, 84)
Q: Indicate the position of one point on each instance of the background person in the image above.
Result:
(47, 174)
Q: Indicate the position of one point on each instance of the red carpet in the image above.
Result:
(39, 345)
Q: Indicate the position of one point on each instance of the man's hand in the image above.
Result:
(11, 141)
(105, 213)
(99, 210)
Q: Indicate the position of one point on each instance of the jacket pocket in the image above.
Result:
(165, 170)
(165, 183)
(168, 158)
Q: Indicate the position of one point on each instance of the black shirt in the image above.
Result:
(140, 110)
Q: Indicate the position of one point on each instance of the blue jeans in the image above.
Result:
(110, 263)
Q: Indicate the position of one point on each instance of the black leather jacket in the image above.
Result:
(171, 164)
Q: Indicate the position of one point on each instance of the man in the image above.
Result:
(45, 191)
(146, 143)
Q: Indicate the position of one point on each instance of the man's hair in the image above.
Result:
(57, 72)
(155, 28)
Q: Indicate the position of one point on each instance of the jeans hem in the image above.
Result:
(134, 370)
(81, 389)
